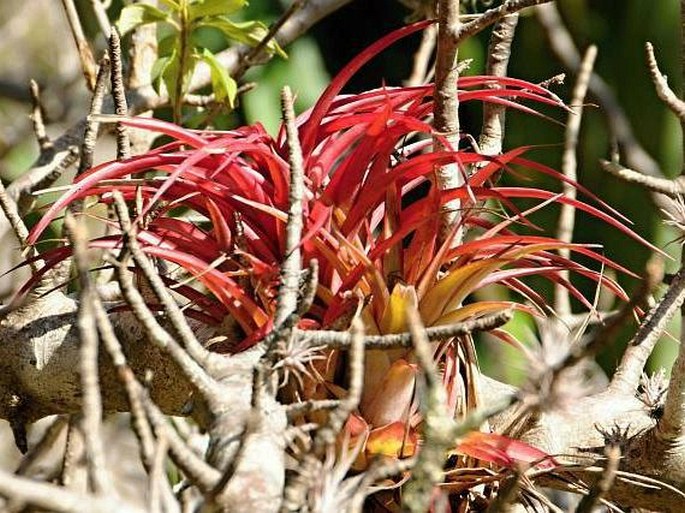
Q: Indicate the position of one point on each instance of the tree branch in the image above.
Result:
(446, 115)
(627, 375)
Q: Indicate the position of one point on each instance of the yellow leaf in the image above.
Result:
(402, 299)
(393, 440)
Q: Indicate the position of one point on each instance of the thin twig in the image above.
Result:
(297, 23)
(439, 429)
(493, 15)
(562, 45)
(670, 187)
(341, 340)
(9, 208)
(665, 93)
(38, 118)
(58, 499)
(171, 308)
(47, 442)
(158, 480)
(91, 133)
(608, 331)
(298, 409)
(195, 373)
(91, 413)
(601, 488)
(73, 453)
(255, 54)
(326, 436)
(101, 16)
(671, 425)
(84, 52)
(147, 414)
(48, 169)
(309, 288)
(569, 165)
(422, 57)
(139, 422)
(291, 267)
(118, 94)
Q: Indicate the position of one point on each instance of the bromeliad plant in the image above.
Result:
(215, 205)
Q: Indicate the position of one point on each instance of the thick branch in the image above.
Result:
(628, 374)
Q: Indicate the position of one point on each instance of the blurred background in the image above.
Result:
(35, 42)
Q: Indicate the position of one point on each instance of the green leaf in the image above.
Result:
(133, 16)
(172, 4)
(202, 8)
(247, 32)
(166, 71)
(225, 88)
(159, 70)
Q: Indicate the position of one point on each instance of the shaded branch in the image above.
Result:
(84, 52)
(665, 93)
(672, 188)
(493, 15)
